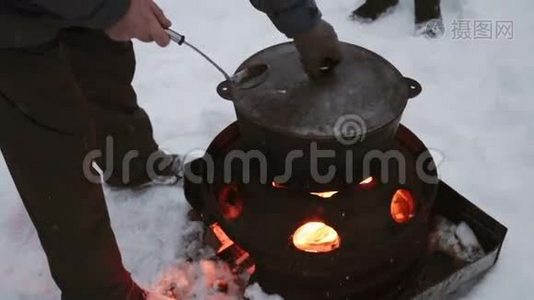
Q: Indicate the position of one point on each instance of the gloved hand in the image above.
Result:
(319, 49)
(145, 21)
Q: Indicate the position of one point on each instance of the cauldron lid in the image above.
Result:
(364, 89)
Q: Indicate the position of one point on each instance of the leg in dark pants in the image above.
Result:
(104, 70)
(46, 133)
(426, 10)
(428, 21)
(373, 9)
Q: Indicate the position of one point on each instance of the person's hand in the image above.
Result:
(145, 21)
(319, 49)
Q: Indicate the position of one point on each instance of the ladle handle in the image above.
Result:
(175, 36)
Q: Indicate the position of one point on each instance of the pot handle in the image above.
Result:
(225, 90)
(246, 78)
(414, 88)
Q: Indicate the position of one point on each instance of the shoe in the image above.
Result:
(160, 168)
(167, 170)
(373, 9)
(431, 29)
(428, 20)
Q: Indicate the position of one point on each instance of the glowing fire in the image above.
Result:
(316, 237)
(325, 195)
(225, 241)
(402, 206)
(187, 280)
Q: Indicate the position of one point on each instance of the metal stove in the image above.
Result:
(362, 234)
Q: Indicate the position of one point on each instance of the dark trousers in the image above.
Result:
(58, 102)
(425, 10)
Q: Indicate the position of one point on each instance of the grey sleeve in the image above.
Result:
(98, 14)
(291, 17)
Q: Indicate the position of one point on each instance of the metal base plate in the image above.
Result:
(441, 275)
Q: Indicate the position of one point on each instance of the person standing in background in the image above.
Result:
(428, 20)
(66, 68)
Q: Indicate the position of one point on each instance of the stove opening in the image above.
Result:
(230, 201)
(316, 237)
(367, 183)
(324, 195)
(402, 206)
(277, 185)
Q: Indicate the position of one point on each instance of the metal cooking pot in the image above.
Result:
(357, 106)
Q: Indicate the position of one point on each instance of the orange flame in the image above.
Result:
(316, 237)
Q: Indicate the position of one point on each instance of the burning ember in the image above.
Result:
(225, 241)
(241, 261)
(205, 279)
(402, 206)
(316, 237)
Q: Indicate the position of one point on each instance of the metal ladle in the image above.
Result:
(243, 79)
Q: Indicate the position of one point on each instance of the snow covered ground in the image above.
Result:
(474, 109)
